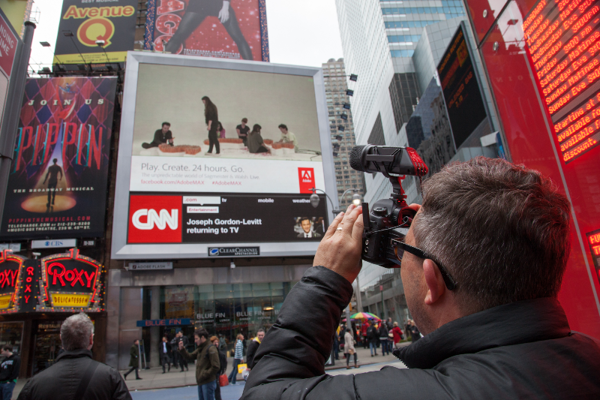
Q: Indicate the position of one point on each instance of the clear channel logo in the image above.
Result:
(213, 251)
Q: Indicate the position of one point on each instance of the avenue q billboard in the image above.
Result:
(224, 29)
(173, 200)
(84, 22)
(59, 174)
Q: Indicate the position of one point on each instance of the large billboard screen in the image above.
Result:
(462, 93)
(224, 29)
(565, 54)
(222, 155)
(58, 178)
(84, 23)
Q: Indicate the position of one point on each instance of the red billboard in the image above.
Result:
(8, 46)
(224, 29)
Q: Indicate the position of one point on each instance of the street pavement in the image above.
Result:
(234, 392)
(182, 385)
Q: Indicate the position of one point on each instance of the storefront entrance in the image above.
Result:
(46, 345)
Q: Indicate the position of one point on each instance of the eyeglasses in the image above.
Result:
(400, 247)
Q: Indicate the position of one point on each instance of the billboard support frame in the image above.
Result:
(120, 249)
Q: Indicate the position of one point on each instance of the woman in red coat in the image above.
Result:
(397, 335)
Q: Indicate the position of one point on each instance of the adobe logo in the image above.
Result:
(155, 219)
(306, 178)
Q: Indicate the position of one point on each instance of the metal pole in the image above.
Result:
(13, 111)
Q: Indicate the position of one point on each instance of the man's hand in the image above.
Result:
(224, 13)
(181, 345)
(341, 247)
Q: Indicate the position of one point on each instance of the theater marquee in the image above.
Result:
(67, 282)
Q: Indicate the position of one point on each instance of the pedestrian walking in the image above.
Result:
(238, 358)
(372, 336)
(389, 324)
(383, 338)
(363, 333)
(177, 358)
(207, 364)
(397, 335)
(9, 371)
(164, 349)
(75, 375)
(134, 359)
(222, 367)
(253, 346)
(349, 349)
(414, 332)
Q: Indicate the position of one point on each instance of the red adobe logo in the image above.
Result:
(306, 177)
(155, 219)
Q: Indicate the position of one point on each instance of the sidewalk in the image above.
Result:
(153, 378)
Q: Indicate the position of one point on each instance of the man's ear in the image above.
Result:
(434, 281)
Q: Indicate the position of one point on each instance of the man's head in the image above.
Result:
(306, 225)
(214, 340)
(260, 334)
(244, 121)
(55, 160)
(77, 333)
(136, 342)
(179, 334)
(200, 336)
(240, 336)
(164, 339)
(7, 350)
(501, 231)
(283, 128)
(165, 127)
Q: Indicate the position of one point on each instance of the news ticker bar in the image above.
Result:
(225, 218)
(564, 43)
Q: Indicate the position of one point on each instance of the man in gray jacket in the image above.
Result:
(75, 375)
(482, 265)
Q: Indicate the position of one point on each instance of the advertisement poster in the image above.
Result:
(210, 28)
(245, 190)
(179, 302)
(85, 22)
(58, 178)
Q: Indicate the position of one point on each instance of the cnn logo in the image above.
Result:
(155, 219)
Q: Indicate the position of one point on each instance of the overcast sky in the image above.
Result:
(300, 32)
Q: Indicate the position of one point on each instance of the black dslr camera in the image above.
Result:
(389, 218)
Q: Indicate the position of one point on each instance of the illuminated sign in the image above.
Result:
(564, 45)
(11, 274)
(164, 322)
(594, 242)
(466, 109)
(70, 282)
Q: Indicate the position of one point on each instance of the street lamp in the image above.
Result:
(356, 198)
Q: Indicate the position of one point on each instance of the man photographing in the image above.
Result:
(482, 265)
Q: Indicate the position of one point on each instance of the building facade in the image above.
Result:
(342, 130)
(396, 47)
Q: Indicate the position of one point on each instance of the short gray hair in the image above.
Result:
(75, 332)
(502, 230)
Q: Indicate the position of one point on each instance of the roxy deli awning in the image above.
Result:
(67, 282)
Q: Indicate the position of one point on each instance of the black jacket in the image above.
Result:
(372, 334)
(252, 347)
(9, 369)
(62, 379)
(516, 351)
(160, 348)
(383, 331)
(222, 361)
